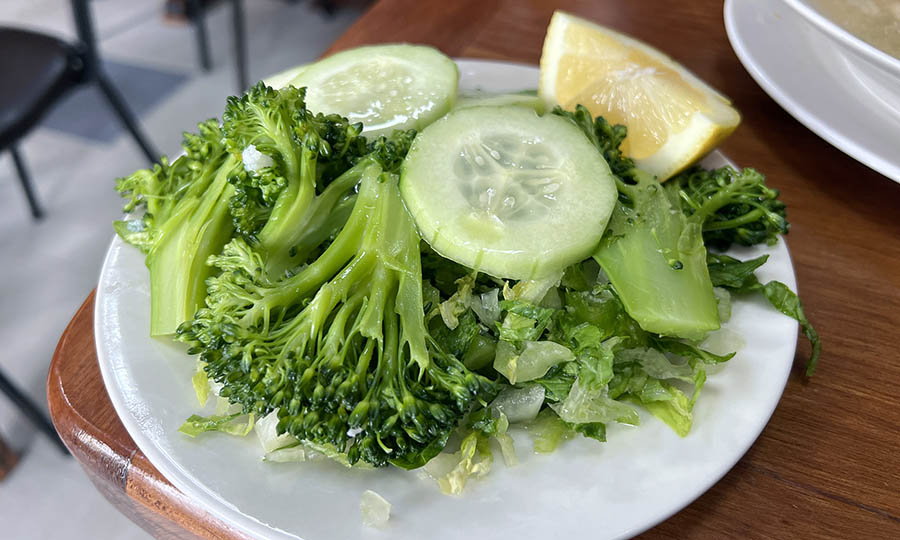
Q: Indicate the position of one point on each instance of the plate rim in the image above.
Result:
(810, 119)
(233, 517)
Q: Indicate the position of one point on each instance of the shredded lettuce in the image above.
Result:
(583, 406)
(288, 454)
(473, 460)
(723, 301)
(201, 383)
(375, 509)
(532, 291)
(266, 430)
(670, 405)
(507, 445)
(547, 431)
(533, 362)
(487, 307)
(233, 424)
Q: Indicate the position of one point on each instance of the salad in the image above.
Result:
(369, 269)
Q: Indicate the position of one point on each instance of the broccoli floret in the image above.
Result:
(351, 365)
(185, 220)
(298, 192)
(735, 207)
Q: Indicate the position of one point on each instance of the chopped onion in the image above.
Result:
(519, 404)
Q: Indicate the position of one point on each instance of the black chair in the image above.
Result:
(31, 410)
(195, 10)
(37, 71)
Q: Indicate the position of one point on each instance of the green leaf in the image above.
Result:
(733, 274)
(423, 456)
(595, 366)
(723, 302)
(457, 340)
(591, 430)
(287, 454)
(457, 304)
(234, 424)
(690, 352)
(519, 404)
(786, 301)
(137, 233)
(656, 365)
(558, 381)
(738, 276)
(329, 451)
(548, 430)
(481, 352)
(507, 446)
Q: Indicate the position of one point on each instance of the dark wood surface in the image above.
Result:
(827, 464)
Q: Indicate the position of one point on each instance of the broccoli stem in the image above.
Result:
(749, 217)
(347, 244)
(655, 258)
(199, 227)
(288, 216)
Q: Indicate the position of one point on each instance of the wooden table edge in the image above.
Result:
(120, 471)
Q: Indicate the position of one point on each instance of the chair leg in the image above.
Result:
(240, 44)
(198, 16)
(31, 410)
(125, 115)
(36, 211)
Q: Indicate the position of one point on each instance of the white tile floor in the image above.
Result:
(48, 267)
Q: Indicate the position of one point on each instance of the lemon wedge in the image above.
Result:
(673, 118)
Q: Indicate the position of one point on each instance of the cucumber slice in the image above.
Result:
(507, 192)
(386, 87)
(284, 78)
(484, 99)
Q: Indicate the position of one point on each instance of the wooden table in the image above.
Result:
(827, 465)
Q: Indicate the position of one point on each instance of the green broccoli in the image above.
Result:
(735, 207)
(186, 219)
(298, 192)
(354, 365)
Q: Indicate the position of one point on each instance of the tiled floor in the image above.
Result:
(48, 267)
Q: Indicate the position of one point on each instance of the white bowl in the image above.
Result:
(876, 70)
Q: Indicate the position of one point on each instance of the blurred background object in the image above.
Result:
(194, 11)
(39, 70)
(74, 153)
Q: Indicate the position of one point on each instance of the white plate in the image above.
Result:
(584, 490)
(811, 79)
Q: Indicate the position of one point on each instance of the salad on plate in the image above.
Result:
(372, 269)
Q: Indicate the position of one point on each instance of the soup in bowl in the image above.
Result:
(866, 33)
